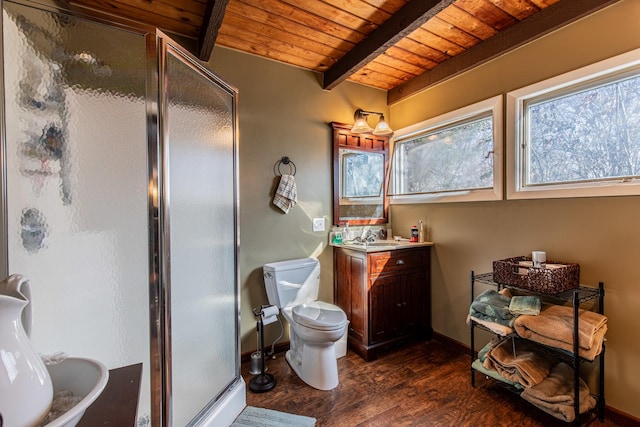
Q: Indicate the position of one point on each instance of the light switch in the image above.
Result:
(318, 224)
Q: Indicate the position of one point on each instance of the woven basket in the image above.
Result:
(557, 277)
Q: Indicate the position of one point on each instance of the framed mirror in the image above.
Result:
(360, 163)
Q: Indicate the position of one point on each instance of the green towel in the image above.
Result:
(492, 306)
(478, 366)
(524, 305)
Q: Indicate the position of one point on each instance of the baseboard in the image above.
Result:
(279, 348)
(610, 413)
(620, 418)
(457, 345)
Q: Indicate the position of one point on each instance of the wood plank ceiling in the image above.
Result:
(397, 45)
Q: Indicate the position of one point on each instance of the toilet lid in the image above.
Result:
(319, 315)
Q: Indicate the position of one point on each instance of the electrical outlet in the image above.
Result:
(318, 224)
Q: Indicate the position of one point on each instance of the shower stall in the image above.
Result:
(119, 203)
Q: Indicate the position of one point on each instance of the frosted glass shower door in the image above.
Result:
(76, 184)
(199, 136)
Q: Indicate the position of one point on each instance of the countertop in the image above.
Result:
(381, 245)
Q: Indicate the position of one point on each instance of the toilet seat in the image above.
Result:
(319, 315)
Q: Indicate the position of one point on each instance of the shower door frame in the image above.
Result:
(159, 285)
(164, 45)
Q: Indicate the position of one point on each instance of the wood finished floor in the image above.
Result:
(425, 384)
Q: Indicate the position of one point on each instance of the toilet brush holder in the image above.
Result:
(256, 363)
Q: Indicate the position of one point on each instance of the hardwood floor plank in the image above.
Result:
(424, 384)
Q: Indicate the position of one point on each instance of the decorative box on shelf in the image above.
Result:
(552, 278)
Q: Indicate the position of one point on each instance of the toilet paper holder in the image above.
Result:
(268, 313)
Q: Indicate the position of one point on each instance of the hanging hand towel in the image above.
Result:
(286, 195)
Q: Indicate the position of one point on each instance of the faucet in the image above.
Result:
(370, 236)
(366, 238)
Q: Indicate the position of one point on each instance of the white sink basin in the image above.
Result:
(84, 378)
(386, 243)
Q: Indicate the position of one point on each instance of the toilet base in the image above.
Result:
(318, 366)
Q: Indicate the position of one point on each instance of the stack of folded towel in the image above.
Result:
(478, 364)
(491, 309)
(519, 361)
(497, 311)
(554, 327)
(555, 394)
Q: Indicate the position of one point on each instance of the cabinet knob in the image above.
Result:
(400, 262)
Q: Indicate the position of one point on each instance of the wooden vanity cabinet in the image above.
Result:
(386, 296)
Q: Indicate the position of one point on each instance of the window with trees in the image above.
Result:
(577, 134)
(453, 157)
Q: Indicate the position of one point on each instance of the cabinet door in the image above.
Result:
(399, 305)
(416, 304)
(386, 307)
(350, 292)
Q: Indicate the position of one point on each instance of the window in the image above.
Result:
(453, 157)
(578, 134)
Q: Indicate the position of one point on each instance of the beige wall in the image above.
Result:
(601, 234)
(283, 111)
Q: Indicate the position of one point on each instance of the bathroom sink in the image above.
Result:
(386, 243)
(84, 378)
(381, 245)
(375, 244)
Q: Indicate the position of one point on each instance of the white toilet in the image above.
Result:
(315, 326)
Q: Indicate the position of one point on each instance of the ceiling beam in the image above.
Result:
(211, 22)
(408, 19)
(543, 22)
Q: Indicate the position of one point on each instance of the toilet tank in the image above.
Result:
(292, 282)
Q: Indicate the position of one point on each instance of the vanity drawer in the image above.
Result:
(401, 259)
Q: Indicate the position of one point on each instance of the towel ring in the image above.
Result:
(287, 161)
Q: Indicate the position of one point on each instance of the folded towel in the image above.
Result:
(492, 306)
(519, 361)
(554, 394)
(482, 354)
(286, 195)
(554, 327)
(525, 304)
(478, 366)
(494, 327)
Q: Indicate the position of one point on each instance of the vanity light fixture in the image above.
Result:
(362, 126)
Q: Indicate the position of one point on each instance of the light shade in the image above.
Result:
(362, 126)
(382, 128)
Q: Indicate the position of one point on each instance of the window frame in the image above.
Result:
(493, 106)
(587, 76)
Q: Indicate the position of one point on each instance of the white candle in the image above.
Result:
(539, 258)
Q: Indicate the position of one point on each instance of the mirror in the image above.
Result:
(360, 164)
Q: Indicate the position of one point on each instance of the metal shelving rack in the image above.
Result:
(576, 297)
